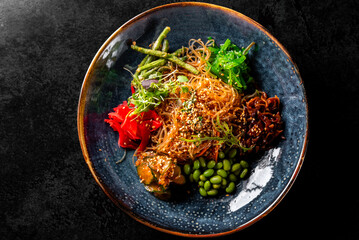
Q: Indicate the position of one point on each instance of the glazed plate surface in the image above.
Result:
(107, 84)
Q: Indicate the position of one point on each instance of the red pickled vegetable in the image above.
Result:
(134, 130)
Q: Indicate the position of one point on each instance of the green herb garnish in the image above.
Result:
(228, 138)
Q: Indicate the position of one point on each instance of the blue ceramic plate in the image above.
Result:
(107, 84)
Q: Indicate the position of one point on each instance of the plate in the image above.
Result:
(107, 84)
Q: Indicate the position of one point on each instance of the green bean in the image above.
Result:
(200, 183)
(187, 169)
(212, 192)
(165, 45)
(231, 187)
(208, 172)
(203, 192)
(146, 74)
(244, 173)
(202, 177)
(221, 155)
(150, 52)
(232, 177)
(236, 167)
(232, 153)
(202, 161)
(191, 177)
(219, 165)
(211, 164)
(159, 41)
(167, 56)
(207, 185)
(244, 164)
(156, 63)
(196, 175)
(222, 173)
(196, 164)
(226, 165)
(216, 179)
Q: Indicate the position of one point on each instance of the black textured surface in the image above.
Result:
(46, 188)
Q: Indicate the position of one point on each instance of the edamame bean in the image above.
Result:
(196, 175)
(237, 172)
(200, 183)
(212, 192)
(203, 192)
(202, 177)
(244, 164)
(244, 173)
(216, 179)
(219, 165)
(221, 155)
(191, 177)
(224, 182)
(232, 177)
(226, 165)
(187, 169)
(202, 162)
(216, 186)
(196, 164)
(231, 187)
(236, 167)
(222, 173)
(207, 185)
(208, 172)
(232, 153)
(211, 164)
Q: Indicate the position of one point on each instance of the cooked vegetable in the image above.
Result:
(167, 56)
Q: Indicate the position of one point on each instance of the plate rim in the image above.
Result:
(81, 109)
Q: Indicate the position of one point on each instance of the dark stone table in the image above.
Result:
(46, 188)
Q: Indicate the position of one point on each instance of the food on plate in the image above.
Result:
(195, 114)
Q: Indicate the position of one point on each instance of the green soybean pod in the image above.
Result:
(219, 165)
(208, 172)
(202, 162)
(187, 169)
(196, 175)
(244, 164)
(212, 192)
(244, 173)
(232, 177)
(207, 185)
(202, 177)
(236, 167)
(232, 153)
(203, 192)
(196, 164)
(222, 173)
(226, 165)
(216, 179)
(231, 187)
(211, 164)
(221, 155)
